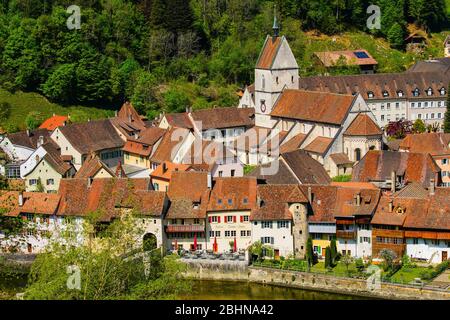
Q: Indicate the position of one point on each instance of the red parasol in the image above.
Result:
(195, 241)
(234, 245)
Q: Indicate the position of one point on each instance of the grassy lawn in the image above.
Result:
(23, 103)
(340, 268)
(406, 275)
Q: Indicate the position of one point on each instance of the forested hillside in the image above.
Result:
(168, 54)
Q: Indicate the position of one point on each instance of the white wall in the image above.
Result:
(427, 249)
(283, 238)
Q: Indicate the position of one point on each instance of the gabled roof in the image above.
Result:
(33, 202)
(292, 168)
(378, 165)
(229, 194)
(269, 52)
(144, 143)
(29, 139)
(432, 143)
(363, 125)
(53, 122)
(167, 168)
(359, 57)
(80, 197)
(441, 65)
(340, 159)
(92, 136)
(319, 145)
(219, 118)
(188, 185)
(323, 107)
(323, 202)
(412, 190)
(53, 157)
(274, 200)
(91, 166)
(346, 205)
(379, 84)
(129, 116)
(180, 120)
(293, 143)
(169, 144)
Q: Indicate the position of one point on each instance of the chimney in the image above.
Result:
(40, 141)
(431, 188)
(20, 198)
(358, 199)
(209, 180)
(310, 195)
(393, 180)
(391, 205)
(64, 123)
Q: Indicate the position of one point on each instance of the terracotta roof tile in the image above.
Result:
(274, 200)
(363, 125)
(319, 145)
(313, 106)
(180, 120)
(233, 193)
(188, 185)
(323, 202)
(432, 143)
(91, 166)
(218, 118)
(33, 202)
(90, 136)
(30, 141)
(167, 168)
(168, 145)
(53, 122)
(346, 205)
(143, 145)
(378, 165)
(293, 144)
(340, 158)
(268, 52)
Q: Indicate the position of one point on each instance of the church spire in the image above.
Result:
(276, 28)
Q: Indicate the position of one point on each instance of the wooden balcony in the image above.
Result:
(345, 234)
(185, 228)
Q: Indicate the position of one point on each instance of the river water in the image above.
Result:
(219, 290)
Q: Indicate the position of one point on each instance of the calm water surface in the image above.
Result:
(230, 290)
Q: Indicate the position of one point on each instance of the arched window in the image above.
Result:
(442, 91)
(357, 154)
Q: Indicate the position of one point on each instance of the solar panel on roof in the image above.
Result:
(361, 55)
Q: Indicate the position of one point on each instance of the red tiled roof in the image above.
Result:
(233, 194)
(340, 158)
(143, 145)
(363, 125)
(29, 139)
(53, 122)
(104, 195)
(268, 52)
(91, 166)
(346, 206)
(188, 184)
(378, 165)
(33, 202)
(167, 168)
(180, 120)
(169, 144)
(319, 145)
(218, 118)
(323, 202)
(432, 143)
(321, 107)
(293, 143)
(274, 201)
(130, 116)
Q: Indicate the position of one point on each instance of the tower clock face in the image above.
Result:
(263, 106)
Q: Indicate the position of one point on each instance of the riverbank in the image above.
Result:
(315, 282)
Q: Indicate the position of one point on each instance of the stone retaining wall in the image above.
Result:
(314, 281)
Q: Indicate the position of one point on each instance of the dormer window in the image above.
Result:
(442, 91)
(416, 92)
(385, 93)
(370, 94)
(429, 92)
(400, 93)
(230, 201)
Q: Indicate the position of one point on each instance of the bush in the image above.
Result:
(359, 263)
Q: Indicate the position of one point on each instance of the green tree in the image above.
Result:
(396, 36)
(61, 83)
(447, 113)
(328, 262)
(176, 100)
(33, 120)
(347, 260)
(333, 251)
(108, 268)
(309, 252)
(388, 256)
(419, 126)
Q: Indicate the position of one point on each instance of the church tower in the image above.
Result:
(275, 70)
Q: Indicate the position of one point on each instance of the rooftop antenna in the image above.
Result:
(276, 28)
